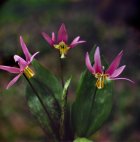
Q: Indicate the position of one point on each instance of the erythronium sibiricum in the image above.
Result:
(61, 42)
(23, 65)
(102, 75)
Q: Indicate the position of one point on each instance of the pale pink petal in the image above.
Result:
(21, 62)
(118, 71)
(48, 39)
(115, 63)
(10, 69)
(88, 64)
(25, 49)
(122, 78)
(75, 42)
(62, 34)
(13, 81)
(97, 61)
(53, 37)
(32, 57)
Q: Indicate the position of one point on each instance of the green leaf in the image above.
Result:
(44, 94)
(82, 140)
(49, 79)
(64, 108)
(91, 107)
(39, 113)
(66, 89)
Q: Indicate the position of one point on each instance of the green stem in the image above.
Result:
(61, 71)
(45, 109)
(62, 121)
(64, 103)
(63, 116)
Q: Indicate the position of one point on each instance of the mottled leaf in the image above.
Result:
(92, 106)
(43, 96)
(82, 140)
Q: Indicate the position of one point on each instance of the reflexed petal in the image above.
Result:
(62, 34)
(97, 61)
(25, 49)
(88, 64)
(118, 71)
(122, 78)
(75, 42)
(32, 57)
(115, 63)
(10, 69)
(21, 62)
(48, 39)
(13, 81)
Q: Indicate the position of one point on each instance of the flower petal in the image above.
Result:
(53, 36)
(97, 61)
(21, 62)
(88, 64)
(48, 39)
(13, 81)
(32, 57)
(75, 42)
(115, 63)
(62, 34)
(25, 49)
(10, 69)
(122, 78)
(118, 71)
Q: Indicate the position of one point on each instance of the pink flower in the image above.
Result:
(61, 42)
(98, 71)
(23, 65)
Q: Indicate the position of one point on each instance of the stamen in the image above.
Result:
(100, 80)
(28, 72)
(63, 48)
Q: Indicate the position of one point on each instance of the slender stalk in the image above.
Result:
(62, 118)
(62, 123)
(61, 71)
(64, 103)
(63, 115)
(45, 109)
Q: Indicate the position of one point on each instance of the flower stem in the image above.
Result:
(61, 71)
(62, 123)
(44, 107)
(63, 116)
(63, 104)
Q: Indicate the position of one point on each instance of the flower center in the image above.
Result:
(100, 80)
(28, 72)
(63, 48)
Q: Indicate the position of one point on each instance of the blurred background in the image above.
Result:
(112, 25)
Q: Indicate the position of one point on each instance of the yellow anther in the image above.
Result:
(100, 80)
(28, 72)
(63, 48)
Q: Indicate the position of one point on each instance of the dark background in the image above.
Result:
(112, 25)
